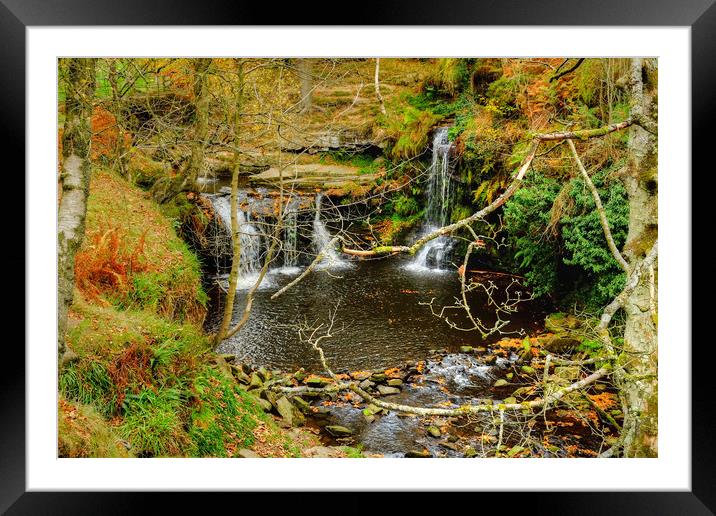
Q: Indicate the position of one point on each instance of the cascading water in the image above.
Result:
(290, 239)
(250, 238)
(434, 255)
(322, 239)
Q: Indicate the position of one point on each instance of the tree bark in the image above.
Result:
(640, 361)
(305, 73)
(75, 181)
(234, 206)
(169, 187)
(377, 85)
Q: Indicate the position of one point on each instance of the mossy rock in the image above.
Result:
(560, 322)
(562, 343)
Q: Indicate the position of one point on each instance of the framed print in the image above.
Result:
(402, 236)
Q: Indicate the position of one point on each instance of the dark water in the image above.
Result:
(380, 322)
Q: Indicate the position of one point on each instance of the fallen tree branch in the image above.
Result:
(319, 257)
(568, 71)
(502, 199)
(600, 209)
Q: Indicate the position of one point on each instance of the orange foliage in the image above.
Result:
(132, 367)
(105, 265)
(105, 134)
(605, 400)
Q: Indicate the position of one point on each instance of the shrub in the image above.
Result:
(557, 239)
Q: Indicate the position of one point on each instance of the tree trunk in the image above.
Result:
(235, 230)
(75, 181)
(167, 188)
(639, 378)
(305, 72)
(377, 85)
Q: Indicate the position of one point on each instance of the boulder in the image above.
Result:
(561, 344)
(247, 454)
(265, 405)
(255, 382)
(323, 452)
(264, 374)
(240, 376)
(385, 390)
(301, 404)
(288, 412)
(560, 322)
(316, 381)
(339, 431)
(300, 375)
(366, 384)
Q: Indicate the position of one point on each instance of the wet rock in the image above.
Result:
(384, 390)
(360, 375)
(450, 446)
(315, 381)
(418, 454)
(434, 431)
(466, 349)
(500, 383)
(247, 454)
(490, 359)
(301, 404)
(300, 375)
(288, 412)
(265, 405)
(255, 382)
(366, 384)
(320, 412)
(369, 418)
(395, 382)
(240, 375)
(371, 410)
(378, 377)
(339, 431)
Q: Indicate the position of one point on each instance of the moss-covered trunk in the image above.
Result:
(639, 378)
(167, 188)
(75, 181)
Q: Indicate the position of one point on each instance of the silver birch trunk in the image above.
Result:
(75, 182)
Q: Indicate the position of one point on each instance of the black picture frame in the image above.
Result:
(17, 15)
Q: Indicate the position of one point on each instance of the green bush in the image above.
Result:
(557, 239)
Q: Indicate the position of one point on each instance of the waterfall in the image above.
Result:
(322, 238)
(434, 255)
(439, 184)
(290, 244)
(252, 243)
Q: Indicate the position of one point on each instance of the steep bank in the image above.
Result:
(143, 380)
